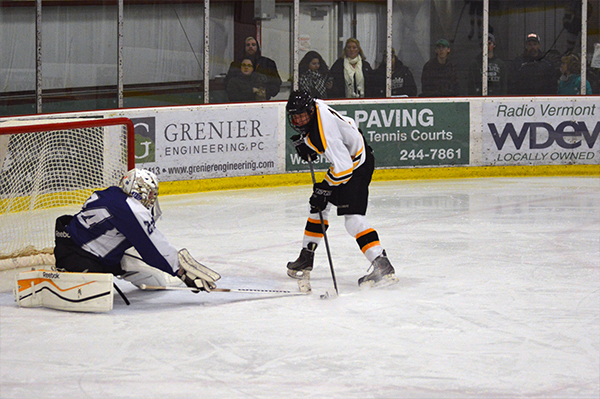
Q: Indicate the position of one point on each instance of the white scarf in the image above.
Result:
(354, 78)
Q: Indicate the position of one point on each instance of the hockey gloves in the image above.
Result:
(194, 274)
(320, 196)
(197, 283)
(302, 149)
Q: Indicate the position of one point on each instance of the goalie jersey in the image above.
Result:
(336, 137)
(112, 222)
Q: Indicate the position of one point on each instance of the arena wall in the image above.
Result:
(224, 146)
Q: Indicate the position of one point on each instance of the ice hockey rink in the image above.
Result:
(499, 297)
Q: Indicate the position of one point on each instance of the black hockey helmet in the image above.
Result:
(299, 102)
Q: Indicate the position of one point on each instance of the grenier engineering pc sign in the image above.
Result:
(404, 135)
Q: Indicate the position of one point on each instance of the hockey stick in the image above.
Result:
(121, 294)
(312, 174)
(242, 290)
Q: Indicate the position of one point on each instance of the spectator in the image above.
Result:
(531, 73)
(497, 73)
(351, 73)
(403, 82)
(570, 81)
(246, 86)
(265, 69)
(593, 71)
(439, 77)
(314, 77)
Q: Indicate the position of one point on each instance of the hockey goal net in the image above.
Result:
(49, 167)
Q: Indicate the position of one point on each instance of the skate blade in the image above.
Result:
(299, 274)
(386, 281)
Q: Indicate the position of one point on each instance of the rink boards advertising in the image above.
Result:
(221, 142)
(192, 143)
(406, 134)
(553, 132)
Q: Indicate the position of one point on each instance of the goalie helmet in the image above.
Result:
(141, 185)
(300, 102)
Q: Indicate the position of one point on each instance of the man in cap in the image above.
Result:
(439, 77)
(531, 73)
(497, 73)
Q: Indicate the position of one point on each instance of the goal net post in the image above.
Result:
(49, 167)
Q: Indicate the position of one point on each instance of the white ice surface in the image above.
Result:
(499, 297)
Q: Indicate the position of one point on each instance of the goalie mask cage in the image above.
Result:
(49, 167)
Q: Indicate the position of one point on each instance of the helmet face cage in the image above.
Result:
(141, 185)
(298, 103)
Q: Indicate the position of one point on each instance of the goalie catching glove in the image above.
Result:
(194, 274)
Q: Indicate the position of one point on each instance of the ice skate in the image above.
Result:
(301, 267)
(383, 273)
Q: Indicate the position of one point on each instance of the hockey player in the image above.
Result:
(116, 219)
(346, 184)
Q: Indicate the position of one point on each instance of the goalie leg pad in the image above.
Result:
(75, 292)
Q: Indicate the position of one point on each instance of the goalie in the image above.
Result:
(116, 219)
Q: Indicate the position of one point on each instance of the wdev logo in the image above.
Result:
(568, 134)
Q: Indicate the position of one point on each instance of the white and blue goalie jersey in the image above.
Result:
(112, 222)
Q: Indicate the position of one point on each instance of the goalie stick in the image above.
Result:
(242, 290)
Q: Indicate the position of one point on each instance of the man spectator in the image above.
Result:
(439, 78)
(531, 73)
(497, 73)
(403, 82)
(265, 68)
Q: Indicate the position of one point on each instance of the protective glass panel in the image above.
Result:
(259, 68)
(221, 48)
(163, 54)
(79, 57)
(17, 63)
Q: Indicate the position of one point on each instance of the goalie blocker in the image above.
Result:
(75, 292)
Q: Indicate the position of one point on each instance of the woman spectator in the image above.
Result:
(245, 87)
(352, 74)
(313, 75)
(570, 81)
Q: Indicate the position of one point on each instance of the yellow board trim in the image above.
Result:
(301, 178)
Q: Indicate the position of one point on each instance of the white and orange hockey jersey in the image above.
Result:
(337, 137)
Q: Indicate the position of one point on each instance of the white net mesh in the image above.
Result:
(50, 173)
